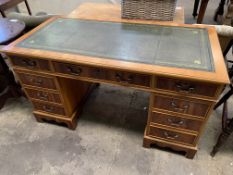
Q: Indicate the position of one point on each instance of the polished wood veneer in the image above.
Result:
(175, 121)
(44, 96)
(47, 82)
(103, 74)
(49, 108)
(30, 63)
(186, 106)
(186, 87)
(170, 135)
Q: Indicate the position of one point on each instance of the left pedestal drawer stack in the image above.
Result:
(53, 97)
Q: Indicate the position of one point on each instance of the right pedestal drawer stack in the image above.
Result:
(178, 112)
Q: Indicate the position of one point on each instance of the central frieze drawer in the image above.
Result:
(184, 106)
(171, 135)
(80, 70)
(175, 121)
(45, 96)
(187, 87)
(30, 63)
(49, 108)
(104, 74)
(38, 81)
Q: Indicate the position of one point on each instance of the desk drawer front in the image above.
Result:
(171, 135)
(174, 121)
(187, 87)
(45, 96)
(187, 106)
(104, 74)
(38, 81)
(49, 108)
(31, 63)
(80, 70)
(129, 78)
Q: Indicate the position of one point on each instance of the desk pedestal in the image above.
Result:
(178, 108)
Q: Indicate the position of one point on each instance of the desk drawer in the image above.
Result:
(99, 73)
(44, 96)
(54, 109)
(80, 70)
(30, 63)
(184, 106)
(129, 78)
(187, 87)
(174, 121)
(172, 136)
(38, 81)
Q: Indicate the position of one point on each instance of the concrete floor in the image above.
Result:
(108, 139)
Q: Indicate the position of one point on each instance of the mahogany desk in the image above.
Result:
(180, 65)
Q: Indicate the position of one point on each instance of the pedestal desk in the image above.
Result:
(181, 66)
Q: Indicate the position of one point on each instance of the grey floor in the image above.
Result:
(108, 139)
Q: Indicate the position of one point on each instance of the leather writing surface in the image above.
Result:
(181, 47)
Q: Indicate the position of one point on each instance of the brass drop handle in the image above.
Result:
(38, 81)
(29, 63)
(185, 87)
(97, 71)
(48, 108)
(176, 107)
(170, 136)
(43, 96)
(175, 123)
(121, 79)
(76, 71)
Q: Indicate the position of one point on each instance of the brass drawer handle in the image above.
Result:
(176, 107)
(42, 95)
(30, 63)
(185, 87)
(121, 79)
(76, 71)
(170, 136)
(48, 108)
(38, 81)
(175, 123)
(98, 71)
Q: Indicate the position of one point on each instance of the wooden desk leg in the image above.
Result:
(202, 10)
(196, 4)
(27, 5)
(2, 13)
